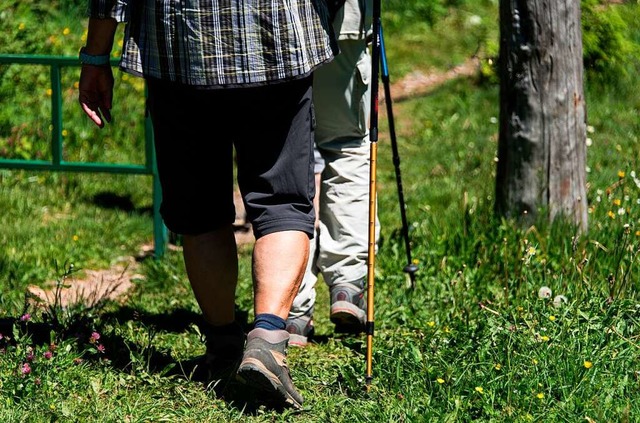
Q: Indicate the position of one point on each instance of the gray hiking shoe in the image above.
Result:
(348, 308)
(264, 367)
(300, 329)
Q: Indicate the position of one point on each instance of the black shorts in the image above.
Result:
(271, 128)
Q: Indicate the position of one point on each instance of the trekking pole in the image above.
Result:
(373, 138)
(410, 268)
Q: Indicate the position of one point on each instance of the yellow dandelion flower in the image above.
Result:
(21, 26)
(621, 174)
(66, 31)
(431, 324)
(534, 361)
(49, 92)
(520, 308)
(587, 364)
(440, 380)
(552, 318)
(611, 214)
(76, 237)
(479, 389)
(540, 395)
(415, 261)
(76, 85)
(498, 366)
(544, 338)
(65, 132)
(446, 329)
(617, 201)
(637, 233)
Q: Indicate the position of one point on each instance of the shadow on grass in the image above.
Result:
(127, 356)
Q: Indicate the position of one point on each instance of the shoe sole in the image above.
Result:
(347, 317)
(296, 340)
(254, 374)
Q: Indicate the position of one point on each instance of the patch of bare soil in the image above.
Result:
(115, 283)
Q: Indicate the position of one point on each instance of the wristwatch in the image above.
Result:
(90, 59)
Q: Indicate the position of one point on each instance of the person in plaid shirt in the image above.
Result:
(224, 75)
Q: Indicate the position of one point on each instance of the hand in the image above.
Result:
(96, 92)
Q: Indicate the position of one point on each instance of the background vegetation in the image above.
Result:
(479, 338)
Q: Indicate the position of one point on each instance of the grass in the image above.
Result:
(473, 341)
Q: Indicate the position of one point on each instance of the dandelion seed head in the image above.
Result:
(559, 301)
(544, 292)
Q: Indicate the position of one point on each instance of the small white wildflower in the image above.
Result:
(621, 211)
(474, 20)
(559, 301)
(598, 199)
(544, 292)
(591, 129)
(587, 169)
(589, 142)
(493, 119)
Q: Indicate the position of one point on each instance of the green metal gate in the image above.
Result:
(55, 64)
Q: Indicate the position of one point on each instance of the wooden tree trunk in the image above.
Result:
(541, 148)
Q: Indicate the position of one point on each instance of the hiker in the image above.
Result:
(339, 251)
(220, 75)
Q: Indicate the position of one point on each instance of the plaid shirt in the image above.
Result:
(221, 42)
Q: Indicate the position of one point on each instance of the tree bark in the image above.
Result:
(542, 140)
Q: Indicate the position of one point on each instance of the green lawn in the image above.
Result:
(473, 341)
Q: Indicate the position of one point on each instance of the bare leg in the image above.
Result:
(279, 260)
(211, 260)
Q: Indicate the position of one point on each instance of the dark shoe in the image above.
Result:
(264, 367)
(348, 308)
(224, 352)
(300, 329)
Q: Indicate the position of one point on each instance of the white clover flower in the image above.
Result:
(591, 129)
(621, 211)
(544, 292)
(559, 301)
(589, 142)
(493, 119)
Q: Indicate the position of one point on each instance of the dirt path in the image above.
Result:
(115, 283)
